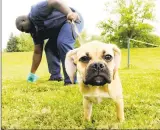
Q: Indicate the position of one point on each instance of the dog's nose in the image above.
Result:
(98, 66)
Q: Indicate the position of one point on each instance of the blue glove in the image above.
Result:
(32, 77)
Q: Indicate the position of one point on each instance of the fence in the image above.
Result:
(128, 46)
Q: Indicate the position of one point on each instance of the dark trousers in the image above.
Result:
(57, 46)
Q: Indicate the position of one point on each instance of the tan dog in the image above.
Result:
(97, 65)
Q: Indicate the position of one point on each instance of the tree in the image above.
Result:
(132, 22)
(12, 44)
(25, 43)
(20, 43)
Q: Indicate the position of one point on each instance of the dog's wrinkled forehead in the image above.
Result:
(95, 49)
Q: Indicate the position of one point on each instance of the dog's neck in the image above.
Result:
(85, 89)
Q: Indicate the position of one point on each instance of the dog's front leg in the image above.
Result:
(120, 109)
(87, 106)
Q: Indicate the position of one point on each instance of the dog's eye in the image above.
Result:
(85, 59)
(108, 57)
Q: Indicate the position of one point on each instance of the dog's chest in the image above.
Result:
(96, 96)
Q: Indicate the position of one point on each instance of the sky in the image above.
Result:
(92, 11)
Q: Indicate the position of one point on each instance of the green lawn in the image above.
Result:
(50, 105)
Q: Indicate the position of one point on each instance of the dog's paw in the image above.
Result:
(89, 124)
(121, 120)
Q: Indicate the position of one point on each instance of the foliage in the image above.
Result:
(96, 37)
(82, 39)
(12, 44)
(85, 37)
(20, 43)
(151, 38)
(129, 21)
(25, 42)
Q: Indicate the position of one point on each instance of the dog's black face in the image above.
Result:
(97, 74)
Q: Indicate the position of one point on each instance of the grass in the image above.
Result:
(50, 105)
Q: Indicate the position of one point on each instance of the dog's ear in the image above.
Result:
(117, 59)
(70, 64)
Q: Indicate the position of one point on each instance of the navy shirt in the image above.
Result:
(44, 19)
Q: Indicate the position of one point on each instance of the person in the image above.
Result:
(48, 19)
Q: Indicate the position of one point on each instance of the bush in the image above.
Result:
(25, 43)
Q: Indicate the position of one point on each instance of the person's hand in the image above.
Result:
(73, 16)
(32, 77)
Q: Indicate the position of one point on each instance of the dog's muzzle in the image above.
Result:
(97, 74)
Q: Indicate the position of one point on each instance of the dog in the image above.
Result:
(97, 65)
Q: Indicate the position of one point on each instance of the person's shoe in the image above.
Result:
(67, 83)
(55, 79)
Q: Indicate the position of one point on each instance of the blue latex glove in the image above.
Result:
(32, 77)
